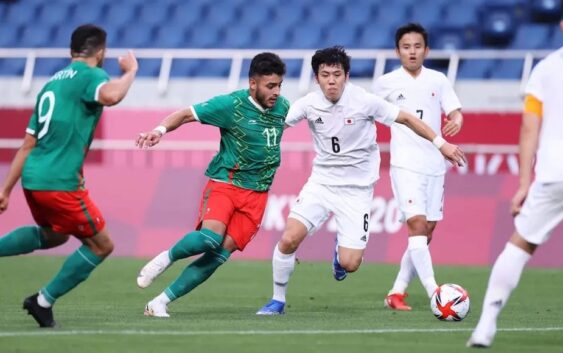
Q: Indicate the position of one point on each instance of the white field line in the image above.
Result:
(55, 332)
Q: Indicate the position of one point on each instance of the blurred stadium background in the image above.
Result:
(192, 50)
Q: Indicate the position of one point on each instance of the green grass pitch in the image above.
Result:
(105, 314)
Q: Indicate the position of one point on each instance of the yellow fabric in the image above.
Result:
(533, 105)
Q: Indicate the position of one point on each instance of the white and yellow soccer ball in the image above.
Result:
(450, 302)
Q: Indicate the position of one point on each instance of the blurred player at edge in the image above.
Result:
(538, 205)
(50, 164)
(341, 118)
(233, 201)
(417, 168)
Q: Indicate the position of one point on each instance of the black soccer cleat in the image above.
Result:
(43, 316)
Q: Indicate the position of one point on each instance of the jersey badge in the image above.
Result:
(348, 121)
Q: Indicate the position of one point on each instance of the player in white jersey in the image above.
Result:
(341, 118)
(538, 205)
(417, 168)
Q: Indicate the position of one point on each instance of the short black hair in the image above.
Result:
(87, 40)
(265, 64)
(409, 28)
(331, 56)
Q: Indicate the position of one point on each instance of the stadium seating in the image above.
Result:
(276, 24)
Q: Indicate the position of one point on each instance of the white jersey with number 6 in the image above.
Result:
(425, 96)
(344, 134)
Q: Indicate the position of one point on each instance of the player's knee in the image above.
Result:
(288, 244)
(350, 264)
(418, 225)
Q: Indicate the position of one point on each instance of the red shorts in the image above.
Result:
(240, 209)
(66, 212)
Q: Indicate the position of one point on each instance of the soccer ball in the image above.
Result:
(450, 302)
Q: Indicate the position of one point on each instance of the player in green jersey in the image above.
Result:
(234, 200)
(50, 163)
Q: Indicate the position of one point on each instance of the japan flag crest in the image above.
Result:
(348, 121)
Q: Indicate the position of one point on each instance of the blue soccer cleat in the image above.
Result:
(338, 271)
(274, 307)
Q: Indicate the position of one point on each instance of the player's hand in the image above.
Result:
(128, 62)
(454, 154)
(518, 200)
(452, 127)
(148, 139)
(4, 199)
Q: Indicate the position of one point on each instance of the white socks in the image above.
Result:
(422, 262)
(42, 301)
(406, 273)
(282, 268)
(505, 276)
(162, 298)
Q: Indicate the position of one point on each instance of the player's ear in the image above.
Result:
(252, 83)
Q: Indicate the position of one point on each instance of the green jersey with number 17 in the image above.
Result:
(249, 152)
(63, 122)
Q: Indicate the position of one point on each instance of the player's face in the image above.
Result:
(332, 79)
(266, 89)
(412, 51)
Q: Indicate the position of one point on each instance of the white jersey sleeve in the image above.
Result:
(449, 101)
(381, 110)
(297, 111)
(534, 86)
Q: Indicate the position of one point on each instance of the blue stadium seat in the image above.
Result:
(556, 41)
(135, 36)
(204, 35)
(271, 37)
(171, 35)
(54, 13)
(428, 16)
(507, 70)
(120, 14)
(21, 13)
(183, 68)
(154, 13)
(307, 36)
(213, 68)
(447, 38)
(357, 13)
(497, 26)
(254, 16)
(12, 67)
(343, 36)
(221, 14)
(35, 36)
(48, 67)
(293, 67)
(238, 36)
(9, 35)
(376, 37)
(290, 14)
(186, 14)
(322, 15)
(362, 67)
(531, 36)
(391, 65)
(545, 10)
(149, 67)
(476, 69)
(87, 12)
(392, 15)
(61, 38)
(460, 14)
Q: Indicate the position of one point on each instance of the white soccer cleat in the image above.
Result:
(156, 309)
(153, 269)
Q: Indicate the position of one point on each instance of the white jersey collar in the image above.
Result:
(258, 106)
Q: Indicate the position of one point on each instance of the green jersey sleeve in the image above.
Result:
(32, 126)
(218, 111)
(97, 77)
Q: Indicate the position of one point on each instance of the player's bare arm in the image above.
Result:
(529, 136)
(170, 123)
(453, 123)
(114, 91)
(451, 152)
(15, 171)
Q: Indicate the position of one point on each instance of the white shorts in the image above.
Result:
(418, 194)
(351, 206)
(541, 213)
